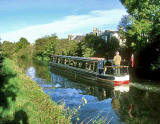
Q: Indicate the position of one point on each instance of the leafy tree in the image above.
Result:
(0, 48)
(112, 46)
(66, 47)
(146, 22)
(93, 45)
(72, 48)
(22, 43)
(125, 23)
(8, 48)
(144, 32)
(96, 45)
(88, 52)
(45, 47)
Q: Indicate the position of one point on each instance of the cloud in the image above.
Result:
(73, 24)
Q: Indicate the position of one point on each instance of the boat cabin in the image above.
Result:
(92, 64)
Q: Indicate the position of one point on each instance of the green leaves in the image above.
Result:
(50, 45)
(88, 52)
(66, 47)
(145, 14)
(8, 48)
(22, 43)
(45, 47)
(93, 45)
(144, 32)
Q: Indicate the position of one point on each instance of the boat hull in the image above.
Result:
(79, 74)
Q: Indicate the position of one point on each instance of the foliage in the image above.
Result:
(125, 23)
(145, 21)
(93, 45)
(45, 47)
(88, 52)
(8, 48)
(50, 45)
(66, 47)
(112, 47)
(144, 29)
(21, 44)
(25, 53)
(97, 43)
(151, 56)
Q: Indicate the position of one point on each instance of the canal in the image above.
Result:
(91, 103)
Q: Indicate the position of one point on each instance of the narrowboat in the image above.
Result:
(92, 69)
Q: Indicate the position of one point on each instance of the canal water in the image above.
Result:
(89, 103)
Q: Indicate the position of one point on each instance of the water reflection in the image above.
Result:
(31, 72)
(99, 99)
(122, 88)
(121, 104)
(71, 93)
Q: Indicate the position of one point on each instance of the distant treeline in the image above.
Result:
(43, 48)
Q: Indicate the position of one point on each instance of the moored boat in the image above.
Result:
(92, 69)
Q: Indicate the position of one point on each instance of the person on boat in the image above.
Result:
(107, 69)
(117, 62)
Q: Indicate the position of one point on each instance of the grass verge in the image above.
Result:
(23, 101)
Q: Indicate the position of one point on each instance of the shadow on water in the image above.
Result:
(8, 94)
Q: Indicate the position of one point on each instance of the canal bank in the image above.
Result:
(23, 100)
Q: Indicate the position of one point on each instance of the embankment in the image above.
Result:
(23, 101)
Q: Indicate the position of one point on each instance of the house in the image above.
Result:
(77, 38)
(107, 34)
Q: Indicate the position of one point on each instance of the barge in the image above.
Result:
(91, 69)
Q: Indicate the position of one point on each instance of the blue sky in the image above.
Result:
(33, 19)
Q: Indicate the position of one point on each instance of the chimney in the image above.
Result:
(95, 31)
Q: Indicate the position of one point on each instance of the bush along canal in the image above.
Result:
(94, 103)
(23, 101)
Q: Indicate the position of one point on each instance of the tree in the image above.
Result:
(144, 33)
(8, 48)
(146, 22)
(96, 45)
(112, 46)
(45, 47)
(22, 43)
(51, 45)
(88, 52)
(66, 47)
(125, 23)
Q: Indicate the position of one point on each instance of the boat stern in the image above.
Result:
(121, 80)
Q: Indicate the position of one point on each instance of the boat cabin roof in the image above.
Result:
(92, 59)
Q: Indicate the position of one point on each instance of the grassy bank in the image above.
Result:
(23, 101)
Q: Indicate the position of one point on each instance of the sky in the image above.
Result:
(34, 19)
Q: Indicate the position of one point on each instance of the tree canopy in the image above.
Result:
(142, 31)
(145, 26)
(8, 48)
(50, 45)
(22, 43)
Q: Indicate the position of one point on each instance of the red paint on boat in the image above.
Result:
(121, 82)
